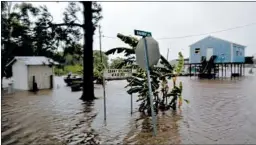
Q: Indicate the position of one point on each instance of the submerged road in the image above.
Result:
(220, 112)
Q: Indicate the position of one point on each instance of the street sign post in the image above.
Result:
(112, 74)
(150, 48)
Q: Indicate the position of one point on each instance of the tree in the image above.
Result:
(16, 37)
(99, 66)
(43, 36)
(91, 15)
(73, 54)
(117, 63)
(23, 37)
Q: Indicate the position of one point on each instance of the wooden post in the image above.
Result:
(214, 70)
(51, 81)
(231, 71)
(238, 68)
(218, 70)
(225, 70)
(190, 70)
(241, 73)
(195, 70)
(222, 70)
(234, 68)
(244, 69)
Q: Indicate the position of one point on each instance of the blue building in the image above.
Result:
(226, 51)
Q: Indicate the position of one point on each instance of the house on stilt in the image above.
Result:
(212, 57)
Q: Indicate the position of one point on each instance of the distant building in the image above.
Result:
(27, 69)
(174, 62)
(226, 51)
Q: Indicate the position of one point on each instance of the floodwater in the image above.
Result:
(220, 111)
(60, 117)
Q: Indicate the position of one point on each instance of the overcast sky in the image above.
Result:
(172, 19)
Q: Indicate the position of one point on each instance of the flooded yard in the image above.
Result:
(220, 111)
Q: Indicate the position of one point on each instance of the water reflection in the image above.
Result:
(220, 111)
(59, 116)
(48, 117)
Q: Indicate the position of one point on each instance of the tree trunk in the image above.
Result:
(2, 82)
(88, 86)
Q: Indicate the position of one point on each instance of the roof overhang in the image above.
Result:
(218, 39)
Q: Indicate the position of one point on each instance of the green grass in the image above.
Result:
(74, 69)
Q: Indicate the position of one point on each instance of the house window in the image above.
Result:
(197, 50)
(237, 53)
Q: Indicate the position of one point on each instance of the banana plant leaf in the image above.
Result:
(127, 51)
(134, 90)
(132, 41)
(187, 101)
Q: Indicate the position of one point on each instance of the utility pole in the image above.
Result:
(103, 79)
(168, 54)
(100, 43)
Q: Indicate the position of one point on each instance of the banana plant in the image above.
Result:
(176, 92)
(159, 75)
(130, 52)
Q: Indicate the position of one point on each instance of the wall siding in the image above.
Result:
(20, 76)
(240, 56)
(42, 76)
(219, 47)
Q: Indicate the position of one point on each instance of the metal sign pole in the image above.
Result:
(131, 102)
(131, 97)
(104, 95)
(149, 88)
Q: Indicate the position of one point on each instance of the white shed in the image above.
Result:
(25, 69)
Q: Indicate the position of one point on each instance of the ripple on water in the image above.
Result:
(219, 112)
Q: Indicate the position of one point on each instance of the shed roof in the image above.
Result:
(218, 39)
(33, 60)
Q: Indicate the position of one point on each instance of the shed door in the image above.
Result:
(46, 81)
(209, 53)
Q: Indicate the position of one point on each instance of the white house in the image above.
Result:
(26, 69)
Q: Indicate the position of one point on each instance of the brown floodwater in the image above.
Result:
(220, 111)
(60, 117)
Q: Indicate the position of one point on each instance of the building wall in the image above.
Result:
(20, 76)
(42, 75)
(219, 47)
(238, 53)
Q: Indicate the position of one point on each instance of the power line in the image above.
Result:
(109, 37)
(209, 32)
(187, 36)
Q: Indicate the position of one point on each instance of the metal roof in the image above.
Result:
(34, 60)
(218, 39)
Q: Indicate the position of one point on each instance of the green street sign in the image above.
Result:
(142, 33)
